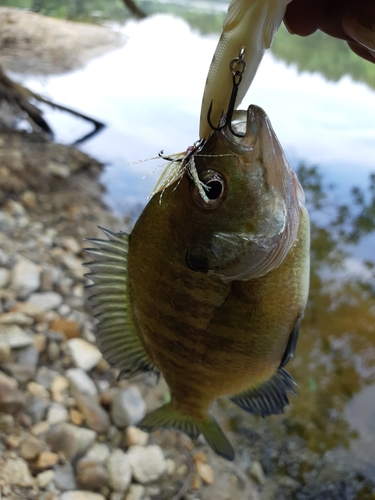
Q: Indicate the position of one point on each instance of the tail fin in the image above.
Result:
(166, 417)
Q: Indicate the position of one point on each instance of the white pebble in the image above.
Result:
(119, 471)
(147, 463)
(85, 355)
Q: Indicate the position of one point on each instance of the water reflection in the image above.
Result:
(335, 359)
(155, 105)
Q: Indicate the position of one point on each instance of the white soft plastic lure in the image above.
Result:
(251, 24)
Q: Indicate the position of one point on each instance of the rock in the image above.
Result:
(70, 440)
(11, 399)
(74, 264)
(57, 413)
(37, 390)
(80, 495)
(58, 169)
(85, 355)
(136, 492)
(14, 208)
(91, 475)
(36, 407)
(45, 376)
(46, 300)
(134, 436)
(13, 441)
(5, 353)
(69, 328)
(128, 406)
(40, 342)
(4, 277)
(6, 423)
(200, 456)
(46, 280)
(64, 477)
(196, 483)
(7, 223)
(256, 472)
(45, 460)
(25, 278)
(76, 417)
(44, 478)
(147, 463)
(24, 369)
(80, 382)
(28, 355)
(95, 416)
(152, 490)
(119, 471)
(53, 351)
(27, 308)
(205, 472)
(16, 472)
(14, 337)
(71, 244)
(29, 199)
(117, 495)
(30, 447)
(4, 258)
(15, 318)
(99, 453)
(59, 389)
(40, 428)
(21, 372)
(171, 466)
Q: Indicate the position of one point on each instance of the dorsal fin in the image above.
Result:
(116, 332)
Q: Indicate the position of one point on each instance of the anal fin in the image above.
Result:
(269, 398)
(116, 334)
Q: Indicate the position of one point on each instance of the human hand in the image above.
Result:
(350, 20)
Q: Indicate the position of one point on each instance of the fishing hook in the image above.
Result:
(236, 81)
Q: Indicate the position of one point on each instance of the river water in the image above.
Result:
(149, 95)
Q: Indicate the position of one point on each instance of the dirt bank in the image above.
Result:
(31, 43)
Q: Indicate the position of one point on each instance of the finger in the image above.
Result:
(363, 52)
(303, 17)
(361, 30)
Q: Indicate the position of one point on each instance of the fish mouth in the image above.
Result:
(197, 264)
(246, 125)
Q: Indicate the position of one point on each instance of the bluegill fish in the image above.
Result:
(210, 287)
(251, 24)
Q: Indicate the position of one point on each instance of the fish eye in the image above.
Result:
(214, 188)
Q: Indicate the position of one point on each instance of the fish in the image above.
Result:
(251, 25)
(209, 290)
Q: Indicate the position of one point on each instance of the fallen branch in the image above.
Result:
(134, 9)
(19, 97)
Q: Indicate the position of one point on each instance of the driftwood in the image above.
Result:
(134, 9)
(19, 99)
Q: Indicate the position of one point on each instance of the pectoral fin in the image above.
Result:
(116, 333)
(270, 397)
(292, 343)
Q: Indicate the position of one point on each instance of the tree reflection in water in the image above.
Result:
(335, 357)
(334, 363)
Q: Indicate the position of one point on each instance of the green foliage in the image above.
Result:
(321, 53)
(91, 11)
